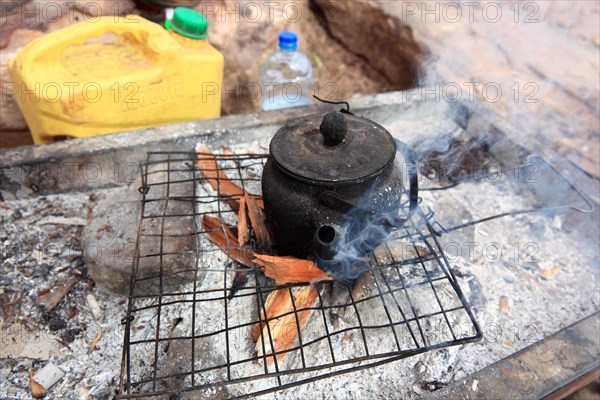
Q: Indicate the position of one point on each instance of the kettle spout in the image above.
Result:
(326, 241)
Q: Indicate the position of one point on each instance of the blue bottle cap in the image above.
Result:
(288, 40)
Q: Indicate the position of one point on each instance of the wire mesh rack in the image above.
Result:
(190, 321)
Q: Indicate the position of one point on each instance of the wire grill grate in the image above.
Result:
(195, 335)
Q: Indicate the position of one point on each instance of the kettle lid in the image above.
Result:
(332, 148)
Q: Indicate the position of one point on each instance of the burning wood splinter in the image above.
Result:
(217, 178)
(256, 213)
(37, 390)
(282, 329)
(240, 278)
(275, 305)
(248, 205)
(226, 238)
(243, 234)
(290, 269)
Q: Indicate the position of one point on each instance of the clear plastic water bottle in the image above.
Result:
(286, 76)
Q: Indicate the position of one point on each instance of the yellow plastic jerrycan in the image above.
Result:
(110, 74)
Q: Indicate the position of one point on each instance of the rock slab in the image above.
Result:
(109, 240)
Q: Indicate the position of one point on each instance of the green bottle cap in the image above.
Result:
(190, 23)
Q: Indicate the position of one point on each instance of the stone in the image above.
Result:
(96, 8)
(41, 346)
(546, 85)
(109, 240)
(380, 37)
(10, 115)
(16, 15)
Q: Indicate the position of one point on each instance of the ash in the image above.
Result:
(525, 277)
(40, 249)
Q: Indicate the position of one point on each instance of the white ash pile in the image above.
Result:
(51, 311)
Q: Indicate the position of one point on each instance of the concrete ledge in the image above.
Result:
(538, 370)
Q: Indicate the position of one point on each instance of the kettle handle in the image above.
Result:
(413, 173)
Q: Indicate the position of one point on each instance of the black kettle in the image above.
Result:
(335, 186)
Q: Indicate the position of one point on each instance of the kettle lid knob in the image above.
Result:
(334, 128)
